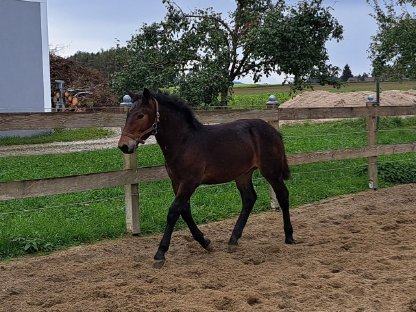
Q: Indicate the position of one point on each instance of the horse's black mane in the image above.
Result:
(178, 105)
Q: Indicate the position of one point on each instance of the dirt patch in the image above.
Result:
(332, 99)
(66, 147)
(357, 253)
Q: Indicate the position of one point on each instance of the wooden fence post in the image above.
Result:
(274, 204)
(372, 141)
(131, 192)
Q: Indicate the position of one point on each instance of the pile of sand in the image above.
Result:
(332, 99)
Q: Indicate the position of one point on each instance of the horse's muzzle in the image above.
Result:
(125, 149)
(126, 145)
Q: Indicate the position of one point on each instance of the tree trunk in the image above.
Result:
(224, 97)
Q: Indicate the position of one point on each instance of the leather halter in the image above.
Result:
(152, 129)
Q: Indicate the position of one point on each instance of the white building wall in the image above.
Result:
(24, 56)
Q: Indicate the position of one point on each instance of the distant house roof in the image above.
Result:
(369, 79)
(353, 79)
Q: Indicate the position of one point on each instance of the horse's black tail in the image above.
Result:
(285, 165)
(285, 168)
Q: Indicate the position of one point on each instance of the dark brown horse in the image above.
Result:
(198, 154)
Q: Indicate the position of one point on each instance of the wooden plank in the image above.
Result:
(152, 174)
(131, 195)
(282, 113)
(350, 153)
(32, 121)
(73, 184)
(29, 121)
(227, 115)
(343, 112)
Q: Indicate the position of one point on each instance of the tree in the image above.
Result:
(346, 73)
(201, 53)
(106, 61)
(403, 2)
(363, 77)
(393, 48)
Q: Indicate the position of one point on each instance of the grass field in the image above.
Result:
(52, 222)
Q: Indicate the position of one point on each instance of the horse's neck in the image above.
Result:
(173, 131)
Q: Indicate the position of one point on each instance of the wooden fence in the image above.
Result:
(131, 176)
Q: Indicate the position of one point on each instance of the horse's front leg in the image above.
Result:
(173, 215)
(195, 231)
(180, 206)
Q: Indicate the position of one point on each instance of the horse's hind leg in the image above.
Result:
(282, 195)
(248, 197)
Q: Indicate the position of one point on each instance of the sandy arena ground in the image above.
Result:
(355, 253)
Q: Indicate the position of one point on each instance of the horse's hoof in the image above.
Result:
(290, 241)
(209, 248)
(207, 245)
(232, 248)
(158, 264)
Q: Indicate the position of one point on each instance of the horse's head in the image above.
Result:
(141, 121)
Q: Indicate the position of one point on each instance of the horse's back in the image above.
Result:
(269, 150)
(232, 149)
(243, 127)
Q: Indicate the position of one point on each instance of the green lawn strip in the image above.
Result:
(53, 222)
(393, 130)
(256, 101)
(59, 165)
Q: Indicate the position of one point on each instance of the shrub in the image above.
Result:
(398, 172)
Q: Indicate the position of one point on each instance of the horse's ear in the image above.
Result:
(134, 96)
(146, 94)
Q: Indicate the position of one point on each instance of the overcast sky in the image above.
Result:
(92, 25)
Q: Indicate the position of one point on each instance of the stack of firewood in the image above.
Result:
(84, 87)
(74, 99)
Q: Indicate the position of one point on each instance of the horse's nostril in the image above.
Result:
(124, 148)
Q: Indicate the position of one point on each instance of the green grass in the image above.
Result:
(59, 135)
(255, 101)
(55, 165)
(48, 223)
(53, 222)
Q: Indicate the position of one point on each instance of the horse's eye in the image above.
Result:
(140, 116)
